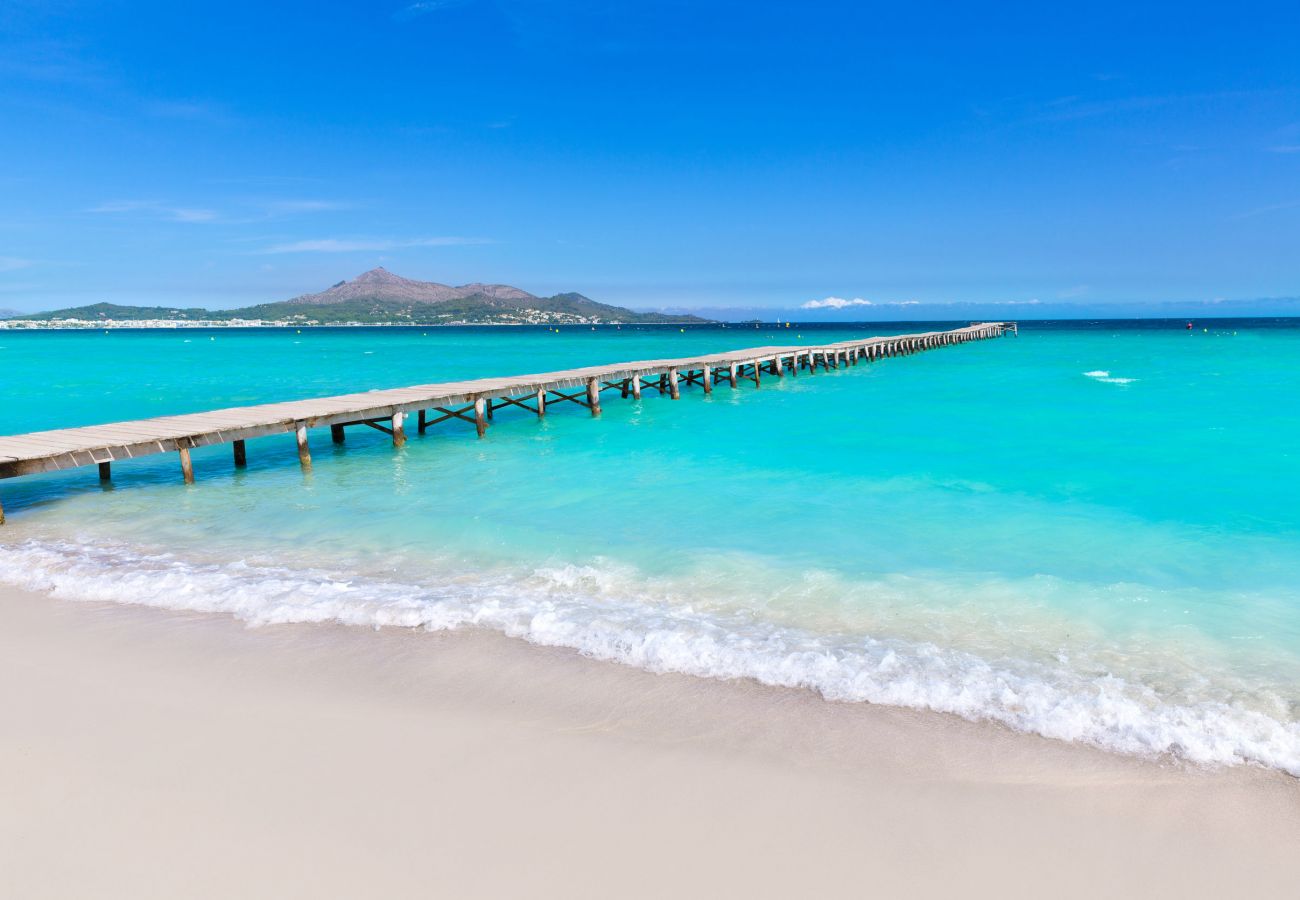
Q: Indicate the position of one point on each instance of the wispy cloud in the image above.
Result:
(424, 7)
(842, 303)
(1264, 210)
(155, 209)
(836, 303)
(294, 207)
(13, 263)
(1065, 109)
(187, 110)
(348, 245)
(246, 210)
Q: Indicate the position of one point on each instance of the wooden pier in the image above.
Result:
(472, 402)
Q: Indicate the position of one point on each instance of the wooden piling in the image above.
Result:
(187, 467)
(636, 387)
(673, 390)
(480, 416)
(423, 422)
(241, 454)
(336, 433)
(106, 471)
(708, 379)
(541, 404)
(593, 396)
(733, 374)
(304, 451)
(399, 429)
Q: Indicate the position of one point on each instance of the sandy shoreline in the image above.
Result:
(154, 754)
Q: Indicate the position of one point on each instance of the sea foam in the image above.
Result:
(602, 612)
(1105, 376)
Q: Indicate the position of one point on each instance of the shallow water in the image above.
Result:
(1091, 531)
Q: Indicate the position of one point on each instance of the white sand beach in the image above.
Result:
(155, 754)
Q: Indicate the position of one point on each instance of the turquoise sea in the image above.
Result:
(1090, 531)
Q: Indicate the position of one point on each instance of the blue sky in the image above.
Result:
(661, 155)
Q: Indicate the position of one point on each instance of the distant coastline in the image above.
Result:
(373, 298)
(181, 324)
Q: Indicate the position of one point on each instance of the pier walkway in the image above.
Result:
(473, 402)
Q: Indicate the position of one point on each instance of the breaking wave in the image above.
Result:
(615, 613)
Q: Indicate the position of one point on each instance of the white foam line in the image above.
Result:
(596, 611)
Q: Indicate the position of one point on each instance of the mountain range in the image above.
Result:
(381, 297)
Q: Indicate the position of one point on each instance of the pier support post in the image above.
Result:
(673, 390)
(399, 429)
(593, 396)
(758, 373)
(480, 416)
(423, 423)
(636, 388)
(708, 379)
(541, 403)
(241, 454)
(304, 451)
(733, 374)
(2, 513)
(106, 471)
(336, 433)
(624, 391)
(187, 467)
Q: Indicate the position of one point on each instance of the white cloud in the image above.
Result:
(424, 7)
(836, 303)
(290, 207)
(13, 263)
(344, 245)
(191, 215)
(157, 209)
